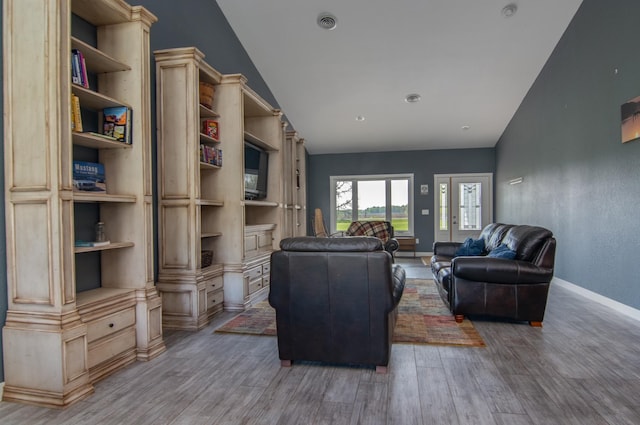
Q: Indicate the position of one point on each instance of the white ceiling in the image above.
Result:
(470, 64)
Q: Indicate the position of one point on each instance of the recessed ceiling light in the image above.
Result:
(509, 10)
(466, 127)
(412, 98)
(360, 118)
(327, 21)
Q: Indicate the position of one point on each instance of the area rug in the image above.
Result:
(422, 319)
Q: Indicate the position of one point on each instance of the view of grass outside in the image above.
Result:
(367, 199)
(400, 223)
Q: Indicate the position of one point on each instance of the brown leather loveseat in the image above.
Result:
(335, 299)
(487, 286)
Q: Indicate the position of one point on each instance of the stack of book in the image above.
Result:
(79, 69)
(211, 155)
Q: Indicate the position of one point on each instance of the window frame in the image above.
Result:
(409, 177)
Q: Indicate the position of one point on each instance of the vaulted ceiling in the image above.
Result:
(344, 90)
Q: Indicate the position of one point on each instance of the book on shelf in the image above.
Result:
(79, 69)
(211, 128)
(116, 122)
(211, 155)
(76, 116)
(91, 243)
(88, 177)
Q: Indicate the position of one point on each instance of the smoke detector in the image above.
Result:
(509, 10)
(327, 21)
(412, 98)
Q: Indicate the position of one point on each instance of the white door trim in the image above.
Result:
(436, 196)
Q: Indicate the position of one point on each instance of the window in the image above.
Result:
(470, 206)
(375, 197)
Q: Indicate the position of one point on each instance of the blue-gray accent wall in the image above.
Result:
(580, 181)
(423, 164)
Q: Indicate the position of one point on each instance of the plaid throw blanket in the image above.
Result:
(378, 229)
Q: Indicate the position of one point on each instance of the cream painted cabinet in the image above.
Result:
(252, 228)
(60, 337)
(295, 185)
(203, 207)
(191, 198)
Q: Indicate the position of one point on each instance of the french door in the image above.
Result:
(463, 205)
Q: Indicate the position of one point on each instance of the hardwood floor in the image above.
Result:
(582, 367)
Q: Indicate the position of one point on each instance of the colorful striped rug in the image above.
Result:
(422, 319)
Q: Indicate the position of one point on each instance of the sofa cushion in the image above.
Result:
(526, 240)
(493, 234)
(471, 247)
(502, 251)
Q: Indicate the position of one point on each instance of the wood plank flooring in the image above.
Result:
(582, 367)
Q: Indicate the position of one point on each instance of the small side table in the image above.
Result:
(407, 244)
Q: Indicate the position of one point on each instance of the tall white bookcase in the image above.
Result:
(190, 200)
(204, 207)
(58, 341)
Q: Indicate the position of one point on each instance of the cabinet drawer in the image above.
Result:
(253, 273)
(110, 324)
(266, 281)
(214, 299)
(215, 284)
(255, 285)
(110, 347)
(266, 268)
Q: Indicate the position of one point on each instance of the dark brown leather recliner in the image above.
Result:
(508, 288)
(335, 299)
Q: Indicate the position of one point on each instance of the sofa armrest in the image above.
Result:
(391, 245)
(499, 270)
(446, 249)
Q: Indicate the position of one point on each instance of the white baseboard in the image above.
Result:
(600, 299)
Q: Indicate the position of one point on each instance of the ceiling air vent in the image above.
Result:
(327, 21)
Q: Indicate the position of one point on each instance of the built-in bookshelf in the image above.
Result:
(190, 163)
(202, 205)
(253, 228)
(63, 334)
(295, 185)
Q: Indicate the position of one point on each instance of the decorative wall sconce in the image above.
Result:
(517, 180)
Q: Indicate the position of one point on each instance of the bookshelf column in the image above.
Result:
(58, 341)
(45, 341)
(190, 201)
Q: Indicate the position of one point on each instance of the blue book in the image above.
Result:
(88, 177)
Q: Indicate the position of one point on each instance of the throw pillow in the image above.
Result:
(502, 251)
(470, 247)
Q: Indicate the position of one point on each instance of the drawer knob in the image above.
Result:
(111, 325)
